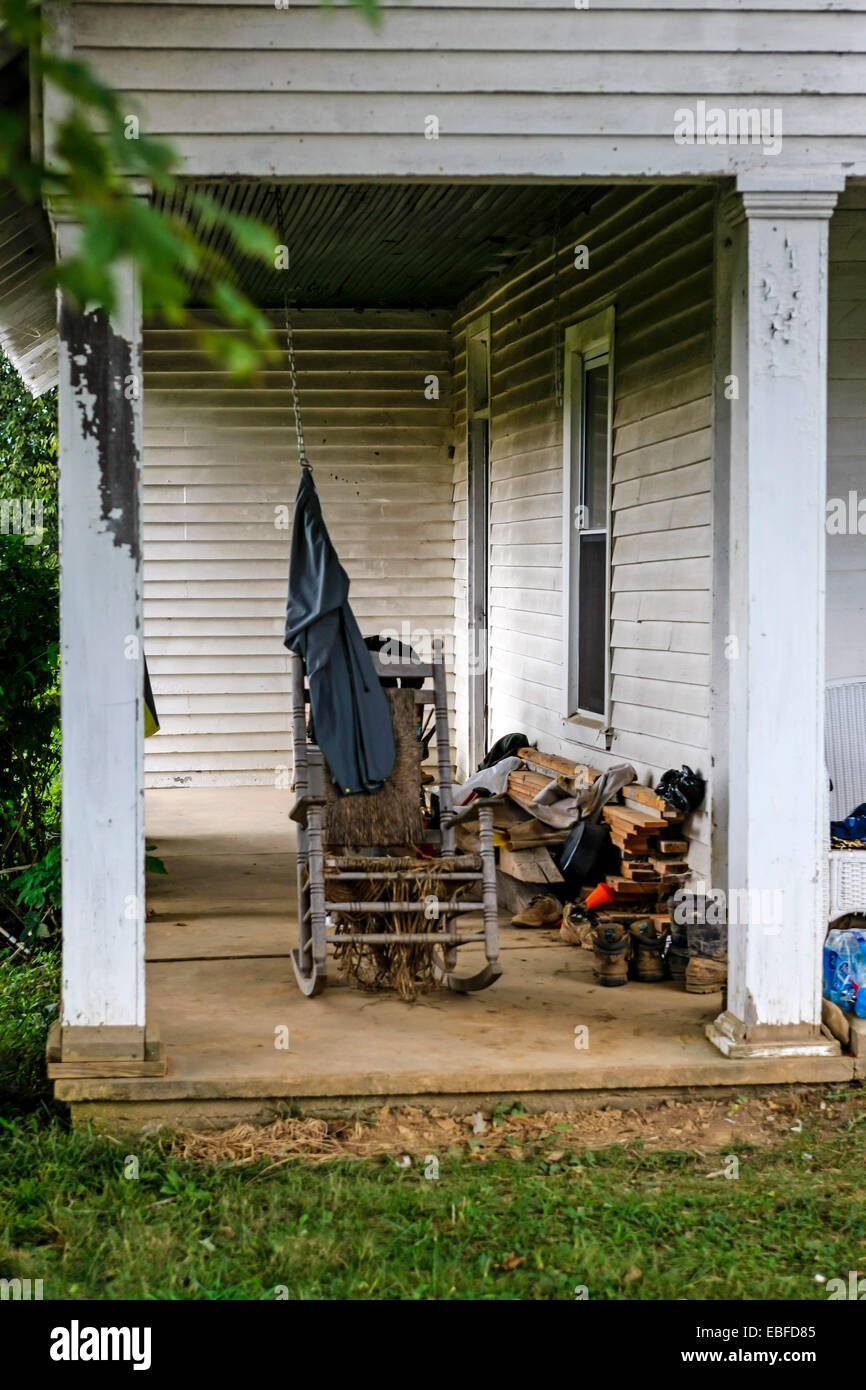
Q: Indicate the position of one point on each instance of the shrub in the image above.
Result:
(29, 733)
(29, 990)
(29, 690)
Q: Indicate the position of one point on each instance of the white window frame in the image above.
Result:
(478, 566)
(590, 338)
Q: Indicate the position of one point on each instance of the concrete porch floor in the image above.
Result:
(220, 986)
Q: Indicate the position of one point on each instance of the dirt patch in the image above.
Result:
(688, 1125)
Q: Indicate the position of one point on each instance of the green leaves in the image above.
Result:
(37, 891)
(99, 153)
(29, 992)
(29, 735)
(98, 148)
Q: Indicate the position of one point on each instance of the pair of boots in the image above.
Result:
(620, 951)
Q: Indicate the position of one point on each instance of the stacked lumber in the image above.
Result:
(645, 829)
(529, 865)
(515, 828)
(524, 786)
(645, 798)
(526, 865)
(653, 858)
(572, 776)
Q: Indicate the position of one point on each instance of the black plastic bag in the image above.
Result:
(684, 790)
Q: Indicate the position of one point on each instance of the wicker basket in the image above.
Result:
(845, 877)
(846, 882)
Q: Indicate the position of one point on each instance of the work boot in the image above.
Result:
(677, 960)
(677, 957)
(647, 950)
(577, 926)
(705, 976)
(543, 911)
(610, 942)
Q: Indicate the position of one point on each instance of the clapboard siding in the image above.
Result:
(846, 471)
(219, 477)
(650, 253)
(308, 91)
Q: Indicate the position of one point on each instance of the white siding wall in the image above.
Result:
(521, 89)
(650, 249)
(846, 555)
(220, 459)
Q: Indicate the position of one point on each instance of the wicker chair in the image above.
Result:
(343, 887)
(845, 745)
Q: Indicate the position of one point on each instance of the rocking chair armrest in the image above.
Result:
(302, 806)
(472, 808)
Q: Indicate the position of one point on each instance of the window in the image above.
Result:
(587, 435)
(478, 468)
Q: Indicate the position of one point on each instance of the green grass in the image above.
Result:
(625, 1223)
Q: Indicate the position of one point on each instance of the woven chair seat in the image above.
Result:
(397, 863)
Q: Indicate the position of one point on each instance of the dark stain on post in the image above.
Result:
(100, 365)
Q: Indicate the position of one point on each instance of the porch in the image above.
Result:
(220, 988)
(460, 532)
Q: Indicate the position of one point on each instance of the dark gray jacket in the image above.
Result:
(351, 716)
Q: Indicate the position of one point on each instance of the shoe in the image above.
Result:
(577, 926)
(610, 943)
(543, 911)
(705, 976)
(647, 951)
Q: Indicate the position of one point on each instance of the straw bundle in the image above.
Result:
(392, 815)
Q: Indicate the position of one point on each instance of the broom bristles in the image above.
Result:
(407, 969)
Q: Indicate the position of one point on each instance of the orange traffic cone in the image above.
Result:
(600, 896)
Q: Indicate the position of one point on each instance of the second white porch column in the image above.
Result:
(776, 642)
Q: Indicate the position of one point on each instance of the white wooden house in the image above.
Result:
(628, 241)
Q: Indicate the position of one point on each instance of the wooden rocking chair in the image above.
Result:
(332, 878)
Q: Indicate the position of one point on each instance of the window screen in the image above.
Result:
(591, 429)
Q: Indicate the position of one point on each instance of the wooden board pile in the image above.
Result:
(526, 864)
(648, 834)
(645, 829)
(524, 842)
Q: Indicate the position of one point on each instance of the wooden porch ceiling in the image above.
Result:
(414, 245)
(27, 298)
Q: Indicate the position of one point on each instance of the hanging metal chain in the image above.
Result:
(303, 461)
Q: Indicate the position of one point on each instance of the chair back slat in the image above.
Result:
(432, 691)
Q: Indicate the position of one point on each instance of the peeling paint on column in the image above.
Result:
(783, 302)
(100, 361)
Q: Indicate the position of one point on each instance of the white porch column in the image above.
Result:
(776, 643)
(103, 1007)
